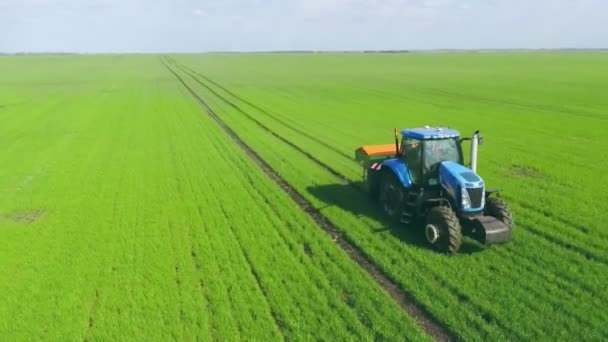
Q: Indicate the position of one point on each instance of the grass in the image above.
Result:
(127, 214)
(542, 115)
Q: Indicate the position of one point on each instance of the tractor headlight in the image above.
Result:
(466, 200)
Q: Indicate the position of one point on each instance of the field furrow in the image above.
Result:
(424, 320)
(216, 197)
(135, 217)
(502, 291)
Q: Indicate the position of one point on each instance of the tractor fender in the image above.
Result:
(399, 169)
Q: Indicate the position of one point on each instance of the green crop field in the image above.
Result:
(188, 197)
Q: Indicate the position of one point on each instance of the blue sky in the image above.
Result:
(256, 25)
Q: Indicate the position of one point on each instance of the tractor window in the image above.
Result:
(437, 151)
(412, 151)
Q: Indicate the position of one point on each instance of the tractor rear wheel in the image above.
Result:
(392, 196)
(498, 209)
(373, 184)
(443, 230)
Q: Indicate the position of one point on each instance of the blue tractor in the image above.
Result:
(424, 176)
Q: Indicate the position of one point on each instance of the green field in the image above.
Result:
(128, 213)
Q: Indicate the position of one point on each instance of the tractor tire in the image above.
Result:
(373, 184)
(443, 230)
(498, 209)
(392, 196)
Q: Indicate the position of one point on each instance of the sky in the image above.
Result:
(270, 25)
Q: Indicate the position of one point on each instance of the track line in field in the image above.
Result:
(587, 254)
(404, 299)
(485, 314)
(564, 245)
(544, 213)
(591, 255)
(566, 223)
(565, 280)
(273, 133)
(278, 322)
(92, 310)
(344, 179)
(275, 117)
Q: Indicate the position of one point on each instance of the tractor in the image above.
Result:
(424, 177)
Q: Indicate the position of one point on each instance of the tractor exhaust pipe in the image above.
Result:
(396, 142)
(475, 141)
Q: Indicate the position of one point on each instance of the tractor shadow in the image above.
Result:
(353, 199)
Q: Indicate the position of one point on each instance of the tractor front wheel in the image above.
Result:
(391, 196)
(443, 230)
(498, 209)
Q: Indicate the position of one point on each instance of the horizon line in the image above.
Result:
(294, 51)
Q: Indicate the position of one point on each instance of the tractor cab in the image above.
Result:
(423, 149)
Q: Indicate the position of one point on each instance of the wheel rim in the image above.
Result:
(432, 233)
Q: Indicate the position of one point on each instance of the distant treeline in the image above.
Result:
(36, 53)
(423, 51)
(321, 51)
(345, 51)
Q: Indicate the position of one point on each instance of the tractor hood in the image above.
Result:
(459, 182)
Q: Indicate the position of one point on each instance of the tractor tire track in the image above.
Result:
(563, 242)
(341, 177)
(275, 134)
(192, 72)
(564, 245)
(552, 216)
(92, 310)
(485, 314)
(276, 317)
(423, 318)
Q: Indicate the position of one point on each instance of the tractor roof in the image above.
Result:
(425, 133)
